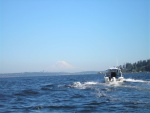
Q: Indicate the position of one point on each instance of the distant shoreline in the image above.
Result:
(37, 74)
(139, 66)
(26, 74)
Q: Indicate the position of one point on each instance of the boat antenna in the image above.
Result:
(117, 62)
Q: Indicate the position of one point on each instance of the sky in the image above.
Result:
(72, 35)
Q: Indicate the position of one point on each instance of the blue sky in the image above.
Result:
(72, 35)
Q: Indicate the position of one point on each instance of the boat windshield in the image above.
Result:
(113, 70)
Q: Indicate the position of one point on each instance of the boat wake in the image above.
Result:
(135, 80)
(92, 84)
(114, 83)
(84, 85)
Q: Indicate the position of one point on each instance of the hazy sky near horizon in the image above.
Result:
(72, 35)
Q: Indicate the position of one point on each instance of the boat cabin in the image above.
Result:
(113, 72)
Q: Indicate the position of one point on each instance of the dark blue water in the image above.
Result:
(75, 94)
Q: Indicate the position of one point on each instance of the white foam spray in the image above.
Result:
(134, 80)
(83, 85)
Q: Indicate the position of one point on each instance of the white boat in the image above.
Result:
(113, 74)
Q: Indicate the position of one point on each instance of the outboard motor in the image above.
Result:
(114, 79)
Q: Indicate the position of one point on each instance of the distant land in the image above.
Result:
(27, 74)
(139, 66)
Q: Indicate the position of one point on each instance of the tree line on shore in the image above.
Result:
(140, 66)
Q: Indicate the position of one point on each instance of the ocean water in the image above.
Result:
(74, 94)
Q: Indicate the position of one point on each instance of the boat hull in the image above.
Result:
(113, 79)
